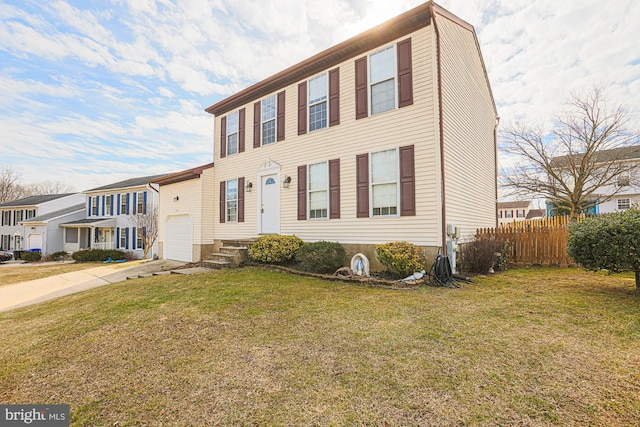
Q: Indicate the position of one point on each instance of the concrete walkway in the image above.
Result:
(35, 291)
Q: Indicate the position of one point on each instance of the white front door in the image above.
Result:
(270, 205)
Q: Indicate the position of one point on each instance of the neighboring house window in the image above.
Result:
(107, 204)
(232, 133)
(508, 214)
(139, 234)
(624, 204)
(6, 242)
(623, 180)
(94, 205)
(6, 218)
(140, 203)
(123, 204)
(18, 216)
(382, 78)
(232, 200)
(268, 109)
(30, 213)
(318, 102)
(123, 237)
(520, 213)
(318, 190)
(384, 183)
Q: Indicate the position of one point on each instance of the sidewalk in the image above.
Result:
(35, 291)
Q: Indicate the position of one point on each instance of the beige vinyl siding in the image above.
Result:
(413, 124)
(469, 121)
(208, 192)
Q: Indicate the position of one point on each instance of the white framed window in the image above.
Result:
(318, 190)
(107, 205)
(382, 80)
(268, 119)
(123, 204)
(384, 173)
(123, 237)
(31, 213)
(520, 213)
(624, 204)
(140, 203)
(508, 214)
(94, 205)
(18, 216)
(6, 242)
(6, 218)
(318, 104)
(232, 200)
(232, 133)
(139, 240)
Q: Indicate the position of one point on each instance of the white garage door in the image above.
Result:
(35, 241)
(178, 238)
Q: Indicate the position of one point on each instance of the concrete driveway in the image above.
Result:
(35, 291)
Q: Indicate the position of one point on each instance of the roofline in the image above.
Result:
(27, 221)
(401, 25)
(115, 189)
(181, 176)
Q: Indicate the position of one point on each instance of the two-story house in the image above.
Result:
(17, 233)
(512, 211)
(107, 222)
(390, 135)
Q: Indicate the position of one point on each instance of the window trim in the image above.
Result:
(274, 119)
(627, 201)
(123, 204)
(397, 182)
(370, 83)
(227, 200)
(326, 191)
(324, 75)
(229, 134)
(139, 202)
(122, 239)
(107, 205)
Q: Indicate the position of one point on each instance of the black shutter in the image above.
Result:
(241, 115)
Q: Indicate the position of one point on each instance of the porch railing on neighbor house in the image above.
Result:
(104, 245)
(534, 242)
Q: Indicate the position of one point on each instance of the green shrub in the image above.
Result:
(57, 256)
(402, 259)
(274, 248)
(31, 256)
(482, 254)
(610, 242)
(320, 257)
(97, 255)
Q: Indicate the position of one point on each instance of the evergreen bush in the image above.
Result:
(320, 257)
(402, 259)
(274, 248)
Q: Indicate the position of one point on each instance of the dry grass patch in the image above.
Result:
(254, 347)
(10, 274)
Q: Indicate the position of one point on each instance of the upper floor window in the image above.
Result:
(140, 203)
(520, 213)
(382, 78)
(508, 214)
(232, 200)
(94, 205)
(107, 205)
(268, 114)
(624, 204)
(318, 190)
(30, 213)
(232, 133)
(6, 218)
(123, 204)
(318, 107)
(384, 183)
(18, 216)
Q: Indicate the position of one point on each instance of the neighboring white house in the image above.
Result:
(185, 217)
(14, 236)
(44, 231)
(107, 221)
(509, 212)
(387, 136)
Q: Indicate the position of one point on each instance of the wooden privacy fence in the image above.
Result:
(534, 242)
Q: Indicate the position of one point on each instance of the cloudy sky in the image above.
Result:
(95, 91)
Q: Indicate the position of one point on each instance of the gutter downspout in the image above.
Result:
(495, 146)
(441, 131)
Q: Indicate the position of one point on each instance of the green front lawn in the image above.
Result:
(254, 347)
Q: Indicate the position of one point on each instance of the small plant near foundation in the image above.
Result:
(320, 257)
(402, 259)
(275, 249)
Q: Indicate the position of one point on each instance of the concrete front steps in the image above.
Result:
(231, 255)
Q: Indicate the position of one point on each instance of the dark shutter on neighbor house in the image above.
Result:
(302, 108)
(127, 210)
(117, 237)
(241, 115)
(223, 137)
(362, 185)
(241, 199)
(144, 234)
(223, 209)
(302, 193)
(405, 79)
(126, 238)
(88, 206)
(280, 117)
(118, 208)
(135, 204)
(144, 204)
(103, 203)
(256, 124)
(334, 189)
(134, 236)
(334, 97)
(362, 107)
(112, 200)
(407, 181)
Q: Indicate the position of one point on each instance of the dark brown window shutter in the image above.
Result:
(241, 115)
(257, 109)
(302, 193)
(405, 79)
(223, 137)
(334, 97)
(407, 181)
(362, 185)
(241, 199)
(280, 117)
(362, 108)
(302, 108)
(334, 189)
(223, 207)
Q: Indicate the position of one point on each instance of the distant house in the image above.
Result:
(18, 231)
(387, 136)
(509, 212)
(106, 223)
(536, 214)
(185, 217)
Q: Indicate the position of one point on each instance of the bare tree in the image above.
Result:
(10, 187)
(48, 187)
(580, 161)
(146, 224)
